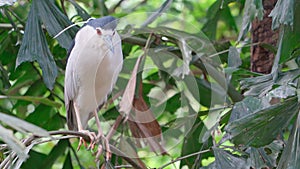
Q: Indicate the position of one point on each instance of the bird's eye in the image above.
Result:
(99, 32)
(114, 32)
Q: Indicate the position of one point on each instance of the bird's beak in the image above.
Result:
(108, 40)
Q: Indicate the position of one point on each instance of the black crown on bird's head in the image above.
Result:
(106, 22)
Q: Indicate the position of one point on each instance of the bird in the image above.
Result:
(94, 62)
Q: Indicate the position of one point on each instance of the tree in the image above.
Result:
(195, 101)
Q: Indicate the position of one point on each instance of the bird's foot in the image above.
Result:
(93, 140)
(100, 148)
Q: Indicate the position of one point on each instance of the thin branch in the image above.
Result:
(113, 9)
(28, 142)
(184, 157)
(115, 127)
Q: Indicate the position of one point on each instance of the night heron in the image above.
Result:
(94, 63)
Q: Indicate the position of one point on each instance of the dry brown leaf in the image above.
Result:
(144, 125)
(126, 102)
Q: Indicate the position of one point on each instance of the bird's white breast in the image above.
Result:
(96, 69)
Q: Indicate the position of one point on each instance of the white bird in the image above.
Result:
(94, 63)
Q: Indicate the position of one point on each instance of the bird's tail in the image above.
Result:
(71, 117)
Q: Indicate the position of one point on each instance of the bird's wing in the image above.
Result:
(71, 88)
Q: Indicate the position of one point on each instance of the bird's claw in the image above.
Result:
(100, 148)
(93, 140)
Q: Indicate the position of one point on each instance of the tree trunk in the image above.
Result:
(262, 58)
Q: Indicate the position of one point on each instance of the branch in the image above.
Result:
(27, 142)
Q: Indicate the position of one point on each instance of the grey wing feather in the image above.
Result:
(71, 88)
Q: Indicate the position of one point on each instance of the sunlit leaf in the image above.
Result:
(7, 137)
(22, 125)
(7, 2)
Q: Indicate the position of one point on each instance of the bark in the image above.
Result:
(262, 58)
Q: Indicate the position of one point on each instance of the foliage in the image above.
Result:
(189, 79)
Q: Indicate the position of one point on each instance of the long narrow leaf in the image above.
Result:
(33, 99)
(7, 137)
(22, 125)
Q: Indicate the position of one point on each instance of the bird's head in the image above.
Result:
(105, 29)
(101, 30)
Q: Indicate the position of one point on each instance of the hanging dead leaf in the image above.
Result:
(126, 102)
(144, 125)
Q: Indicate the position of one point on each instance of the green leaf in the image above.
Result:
(58, 150)
(165, 6)
(33, 99)
(55, 21)
(218, 12)
(80, 11)
(22, 125)
(225, 159)
(36, 158)
(290, 158)
(245, 107)
(262, 127)
(68, 162)
(191, 145)
(260, 159)
(35, 48)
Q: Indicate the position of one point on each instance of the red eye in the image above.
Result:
(99, 32)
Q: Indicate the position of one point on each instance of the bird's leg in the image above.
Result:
(91, 135)
(99, 135)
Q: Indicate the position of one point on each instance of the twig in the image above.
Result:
(115, 127)
(123, 166)
(184, 157)
(112, 10)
